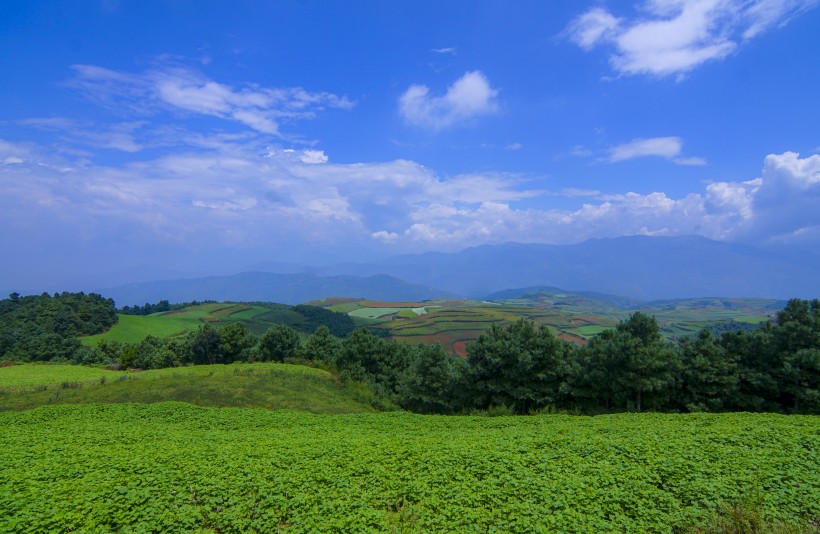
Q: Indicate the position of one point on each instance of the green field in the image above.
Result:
(173, 467)
(30, 377)
(134, 328)
(262, 385)
(256, 317)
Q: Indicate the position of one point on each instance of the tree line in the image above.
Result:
(49, 325)
(159, 307)
(519, 368)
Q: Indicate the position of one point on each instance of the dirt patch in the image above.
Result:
(572, 338)
(7, 364)
(460, 349)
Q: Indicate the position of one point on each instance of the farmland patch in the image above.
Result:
(181, 468)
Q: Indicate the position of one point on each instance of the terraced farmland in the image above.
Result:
(574, 318)
(454, 327)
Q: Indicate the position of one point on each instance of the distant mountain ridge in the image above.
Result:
(636, 268)
(639, 267)
(271, 287)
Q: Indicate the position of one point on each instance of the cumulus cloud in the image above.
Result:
(470, 96)
(244, 195)
(673, 37)
(186, 90)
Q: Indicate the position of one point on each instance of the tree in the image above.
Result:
(757, 388)
(517, 366)
(278, 343)
(322, 346)
(206, 346)
(631, 367)
(708, 378)
(380, 362)
(429, 382)
(796, 343)
(236, 342)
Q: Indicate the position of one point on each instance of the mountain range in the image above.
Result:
(637, 267)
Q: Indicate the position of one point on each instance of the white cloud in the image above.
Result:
(387, 237)
(664, 147)
(572, 192)
(592, 27)
(448, 50)
(185, 90)
(470, 96)
(673, 37)
(241, 195)
(691, 161)
(313, 156)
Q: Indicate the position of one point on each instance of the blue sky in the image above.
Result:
(208, 136)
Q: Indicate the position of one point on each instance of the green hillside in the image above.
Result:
(257, 317)
(174, 467)
(262, 385)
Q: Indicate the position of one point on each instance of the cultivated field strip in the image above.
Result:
(173, 467)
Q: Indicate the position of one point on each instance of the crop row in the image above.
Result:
(176, 467)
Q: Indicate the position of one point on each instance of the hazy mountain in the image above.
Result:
(638, 267)
(646, 268)
(270, 287)
(588, 298)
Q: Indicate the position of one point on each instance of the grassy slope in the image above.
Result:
(134, 328)
(33, 376)
(264, 385)
(176, 467)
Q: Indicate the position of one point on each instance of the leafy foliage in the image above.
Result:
(45, 327)
(279, 343)
(172, 467)
(517, 366)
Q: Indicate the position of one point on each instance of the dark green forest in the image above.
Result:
(46, 327)
(518, 368)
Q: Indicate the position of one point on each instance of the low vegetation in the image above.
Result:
(261, 385)
(174, 467)
(519, 367)
(90, 449)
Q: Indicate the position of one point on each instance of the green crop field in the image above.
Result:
(42, 376)
(173, 467)
(264, 385)
(134, 328)
(258, 318)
